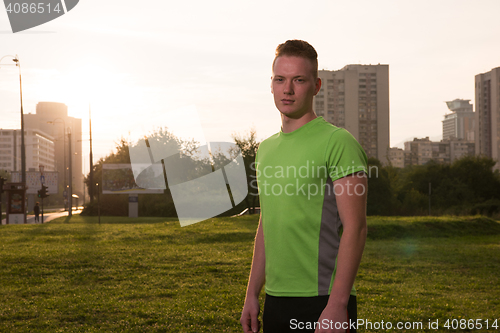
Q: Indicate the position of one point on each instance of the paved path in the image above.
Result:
(47, 217)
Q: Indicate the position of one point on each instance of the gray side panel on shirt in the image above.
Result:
(329, 239)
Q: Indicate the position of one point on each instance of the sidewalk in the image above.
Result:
(47, 217)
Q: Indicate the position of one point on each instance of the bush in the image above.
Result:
(489, 208)
(111, 205)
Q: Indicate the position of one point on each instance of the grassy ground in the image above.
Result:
(153, 276)
(416, 269)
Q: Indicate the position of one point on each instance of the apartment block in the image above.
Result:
(397, 157)
(460, 148)
(39, 150)
(460, 123)
(421, 151)
(487, 91)
(356, 98)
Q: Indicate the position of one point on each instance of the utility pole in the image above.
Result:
(23, 147)
(98, 203)
(429, 199)
(2, 181)
(70, 194)
(83, 182)
(91, 173)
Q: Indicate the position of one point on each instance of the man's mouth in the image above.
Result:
(287, 101)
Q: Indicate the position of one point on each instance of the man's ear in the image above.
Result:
(318, 86)
(272, 91)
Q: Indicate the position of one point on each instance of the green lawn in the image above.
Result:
(416, 269)
(151, 275)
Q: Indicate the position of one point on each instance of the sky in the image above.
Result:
(144, 65)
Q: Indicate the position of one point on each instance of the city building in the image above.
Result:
(421, 151)
(487, 90)
(397, 157)
(460, 148)
(460, 123)
(39, 150)
(356, 98)
(52, 118)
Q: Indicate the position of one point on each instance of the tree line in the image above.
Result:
(191, 162)
(469, 185)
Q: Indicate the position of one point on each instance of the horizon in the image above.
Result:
(133, 64)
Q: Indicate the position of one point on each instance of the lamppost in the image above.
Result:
(70, 194)
(23, 147)
(64, 148)
(83, 178)
(91, 172)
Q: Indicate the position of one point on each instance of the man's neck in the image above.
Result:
(291, 124)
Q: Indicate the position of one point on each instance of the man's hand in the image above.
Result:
(333, 316)
(250, 315)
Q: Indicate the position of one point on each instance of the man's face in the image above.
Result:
(294, 86)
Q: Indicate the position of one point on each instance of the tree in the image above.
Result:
(248, 145)
(381, 198)
(115, 205)
(155, 204)
(120, 155)
(457, 188)
(476, 172)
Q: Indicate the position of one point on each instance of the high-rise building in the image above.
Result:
(460, 123)
(52, 118)
(356, 98)
(487, 86)
(39, 150)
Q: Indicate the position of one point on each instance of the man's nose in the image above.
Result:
(288, 89)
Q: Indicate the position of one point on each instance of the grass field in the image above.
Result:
(151, 275)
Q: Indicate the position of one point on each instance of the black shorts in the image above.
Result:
(299, 314)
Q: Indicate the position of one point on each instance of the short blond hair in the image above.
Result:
(298, 48)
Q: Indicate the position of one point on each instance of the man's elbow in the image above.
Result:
(357, 228)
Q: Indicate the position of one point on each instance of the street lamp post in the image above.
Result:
(91, 172)
(70, 194)
(83, 187)
(23, 147)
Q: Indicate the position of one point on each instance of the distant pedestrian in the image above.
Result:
(37, 212)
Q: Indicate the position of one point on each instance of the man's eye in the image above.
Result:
(300, 80)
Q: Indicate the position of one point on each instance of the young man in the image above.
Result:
(312, 187)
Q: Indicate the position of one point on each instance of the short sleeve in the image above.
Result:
(344, 155)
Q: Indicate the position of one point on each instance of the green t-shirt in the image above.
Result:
(301, 224)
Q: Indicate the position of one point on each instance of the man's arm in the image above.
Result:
(351, 204)
(249, 316)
